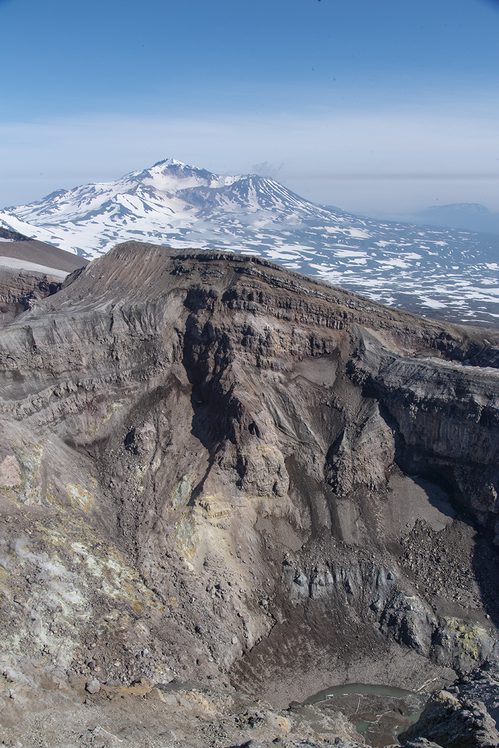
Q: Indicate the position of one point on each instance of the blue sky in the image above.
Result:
(382, 107)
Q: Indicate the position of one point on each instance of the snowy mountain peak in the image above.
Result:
(171, 176)
(448, 272)
(171, 162)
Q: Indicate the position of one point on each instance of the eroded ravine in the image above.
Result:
(216, 470)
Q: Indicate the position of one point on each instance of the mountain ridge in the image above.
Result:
(30, 270)
(444, 273)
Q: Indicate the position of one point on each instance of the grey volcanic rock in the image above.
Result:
(19, 289)
(11, 236)
(29, 271)
(214, 469)
(455, 722)
(48, 711)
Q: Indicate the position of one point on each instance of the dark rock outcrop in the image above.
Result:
(29, 271)
(19, 290)
(464, 716)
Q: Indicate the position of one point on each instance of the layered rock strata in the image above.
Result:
(215, 469)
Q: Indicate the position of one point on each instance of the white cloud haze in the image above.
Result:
(366, 161)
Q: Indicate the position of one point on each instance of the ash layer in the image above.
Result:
(216, 470)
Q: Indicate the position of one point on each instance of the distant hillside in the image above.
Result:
(39, 253)
(30, 270)
(471, 216)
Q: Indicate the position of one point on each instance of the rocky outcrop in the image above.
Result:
(20, 290)
(11, 236)
(214, 468)
(464, 715)
(29, 271)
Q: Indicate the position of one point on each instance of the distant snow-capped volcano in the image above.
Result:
(440, 272)
(171, 203)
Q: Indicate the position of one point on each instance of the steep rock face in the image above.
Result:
(19, 290)
(213, 468)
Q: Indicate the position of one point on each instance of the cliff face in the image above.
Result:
(212, 468)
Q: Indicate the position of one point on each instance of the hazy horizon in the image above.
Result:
(377, 110)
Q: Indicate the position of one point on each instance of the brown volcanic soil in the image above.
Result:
(213, 469)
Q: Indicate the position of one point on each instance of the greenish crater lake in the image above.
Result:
(378, 712)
